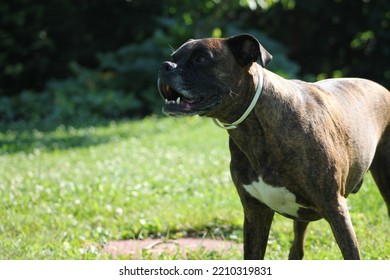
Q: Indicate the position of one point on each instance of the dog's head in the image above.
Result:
(205, 73)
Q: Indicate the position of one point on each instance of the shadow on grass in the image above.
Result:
(215, 229)
(28, 137)
(26, 142)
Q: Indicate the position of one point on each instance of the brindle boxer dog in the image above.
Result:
(297, 148)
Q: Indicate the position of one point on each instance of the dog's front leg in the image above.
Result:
(258, 216)
(257, 224)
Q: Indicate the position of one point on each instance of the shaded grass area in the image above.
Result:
(65, 192)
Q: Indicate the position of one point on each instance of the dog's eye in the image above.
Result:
(203, 58)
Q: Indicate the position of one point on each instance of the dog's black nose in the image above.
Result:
(168, 66)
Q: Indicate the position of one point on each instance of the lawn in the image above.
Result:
(66, 192)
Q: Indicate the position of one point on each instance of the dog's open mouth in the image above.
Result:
(177, 103)
(178, 100)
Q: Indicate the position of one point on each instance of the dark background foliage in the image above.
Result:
(65, 60)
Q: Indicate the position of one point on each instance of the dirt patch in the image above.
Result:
(134, 248)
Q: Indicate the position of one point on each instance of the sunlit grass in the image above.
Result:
(64, 193)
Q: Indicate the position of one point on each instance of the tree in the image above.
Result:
(332, 38)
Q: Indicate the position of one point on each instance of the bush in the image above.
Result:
(39, 38)
(134, 37)
(122, 86)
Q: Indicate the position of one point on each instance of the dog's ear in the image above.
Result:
(247, 49)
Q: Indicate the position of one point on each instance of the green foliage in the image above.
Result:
(333, 38)
(100, 59)
(134, 68)
(87, 95)
(39, 38)
(123, 84)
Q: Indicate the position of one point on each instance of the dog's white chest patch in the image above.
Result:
(279, 199)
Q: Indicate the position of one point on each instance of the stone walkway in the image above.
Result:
(134, 248)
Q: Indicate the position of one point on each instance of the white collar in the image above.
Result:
(248, 110)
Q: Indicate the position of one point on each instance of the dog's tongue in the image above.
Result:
(189, 103)
(190, 100)
(186, 104)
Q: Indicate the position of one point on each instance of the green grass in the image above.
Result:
(66, 192)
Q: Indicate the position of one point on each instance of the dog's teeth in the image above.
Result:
(166, 101)
(178, 100)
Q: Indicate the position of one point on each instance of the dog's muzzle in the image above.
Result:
(179, 100)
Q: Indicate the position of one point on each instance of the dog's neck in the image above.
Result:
(235, 107)
(257, 91)
(249, 109)
(259, 134)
